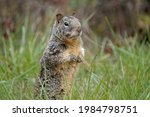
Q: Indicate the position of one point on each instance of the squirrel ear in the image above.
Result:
(59, 17)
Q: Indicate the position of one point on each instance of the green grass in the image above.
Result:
(125, 75)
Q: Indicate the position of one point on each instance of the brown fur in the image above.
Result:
(60, 60)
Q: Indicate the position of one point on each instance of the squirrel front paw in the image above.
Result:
(77, 59)
(73, 58)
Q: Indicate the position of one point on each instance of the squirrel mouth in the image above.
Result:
(73, 35)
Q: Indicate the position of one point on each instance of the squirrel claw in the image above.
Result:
(73, 58)
(77, 59)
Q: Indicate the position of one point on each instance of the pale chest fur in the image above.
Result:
(69, 69)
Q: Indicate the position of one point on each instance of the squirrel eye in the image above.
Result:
(66, 23)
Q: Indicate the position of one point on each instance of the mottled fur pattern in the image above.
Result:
(60, 59)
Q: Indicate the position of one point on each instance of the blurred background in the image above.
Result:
(102, 17)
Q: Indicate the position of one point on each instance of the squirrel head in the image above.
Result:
(67, 27)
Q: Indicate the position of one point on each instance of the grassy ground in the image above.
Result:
(125, 75)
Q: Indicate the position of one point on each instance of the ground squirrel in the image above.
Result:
(60, 59)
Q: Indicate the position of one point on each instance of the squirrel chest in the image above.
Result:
(73, 48)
